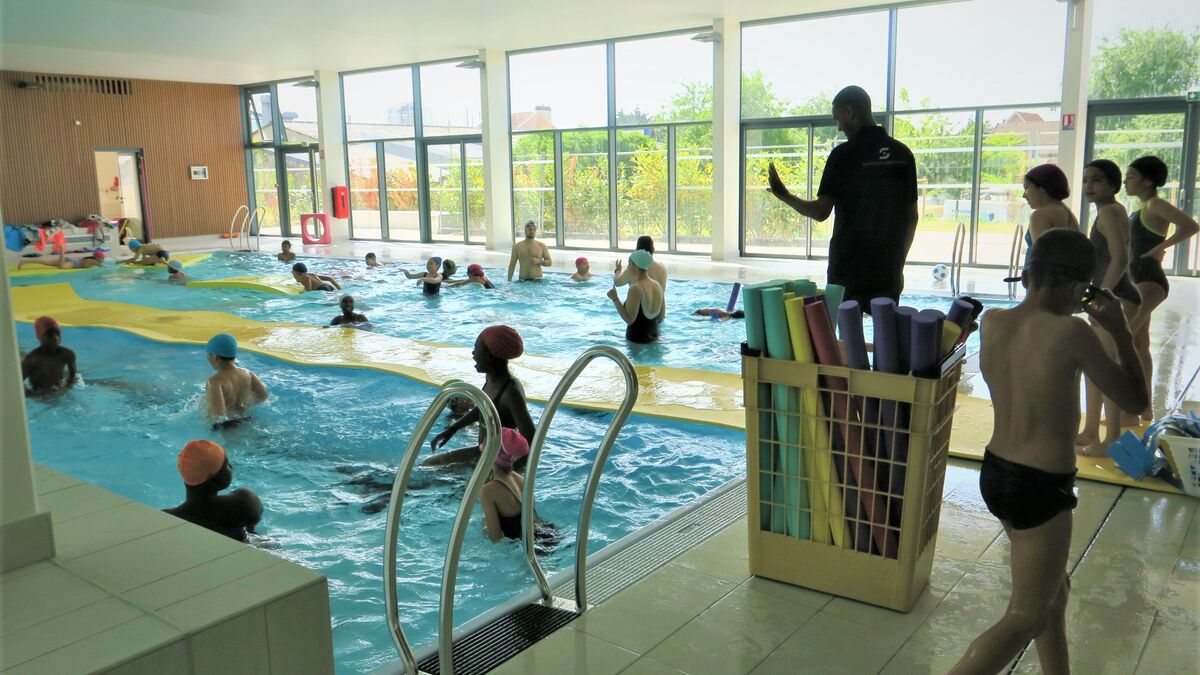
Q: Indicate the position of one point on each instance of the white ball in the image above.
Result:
(941, 271)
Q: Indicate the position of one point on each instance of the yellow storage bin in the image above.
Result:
(851, 505)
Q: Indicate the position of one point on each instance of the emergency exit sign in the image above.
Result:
(1193, 96)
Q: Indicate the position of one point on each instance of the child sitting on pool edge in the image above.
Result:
(206, 471)
(582, 270)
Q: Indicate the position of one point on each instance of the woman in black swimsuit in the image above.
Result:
(431, 279)
(1110, 242)
(643, 306)
(494, 348)
(1149, 242)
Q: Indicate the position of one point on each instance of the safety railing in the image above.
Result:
(593, 482)
(956, 256)
(239, 231)
(1014, 258)
(491, 427)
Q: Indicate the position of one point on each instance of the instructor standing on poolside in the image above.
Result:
(871, 181)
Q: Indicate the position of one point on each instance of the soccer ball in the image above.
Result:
(941, 272)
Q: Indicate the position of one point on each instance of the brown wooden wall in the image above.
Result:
(46, 162)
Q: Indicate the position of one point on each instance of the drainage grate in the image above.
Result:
(502, 639)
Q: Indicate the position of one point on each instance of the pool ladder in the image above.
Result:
(956, 256)
(491, 426)
(1014, 259)
(239, 233)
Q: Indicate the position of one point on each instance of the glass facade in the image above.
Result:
(282, 153)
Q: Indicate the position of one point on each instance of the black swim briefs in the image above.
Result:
(1023, 496)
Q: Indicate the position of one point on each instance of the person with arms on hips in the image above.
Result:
(494, 348)
(1031, 357)
(431, 278)
(62, 262)
(313, 282)
(643, 306)
(145, 254)
(531, 254)
(583, 270)
(286, 254)
(206, 471)
(657, 271)
(870, 185)
(1149, 226)
(1045, 189)
(43, 366)
(348, 315)
(232, 391)
(475, 275)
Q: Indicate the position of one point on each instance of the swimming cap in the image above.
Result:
(1051, 179)
(530, 223)
(449, 266)
(174, 265)
(475, 270)
(503, 342)
(513, 446)
(579, 260)
(300, 267)
(99, 255)
(223, 345)
(642, 259)
(199, 461)
(133, 244)
(43, 324)
(165, 255)
(436, 259)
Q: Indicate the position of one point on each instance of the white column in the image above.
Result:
(1075, 95)
(26, 535)
(333, 147)
(497, 150)
(727, 119)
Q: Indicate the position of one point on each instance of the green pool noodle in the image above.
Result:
(756, 339)
(779, 346)
(833, 299)
(803, 288)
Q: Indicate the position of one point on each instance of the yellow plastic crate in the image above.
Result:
(845, 471)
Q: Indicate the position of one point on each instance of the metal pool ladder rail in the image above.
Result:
(1014, 258)
(491, 426)
(239, 233)
(956, 256)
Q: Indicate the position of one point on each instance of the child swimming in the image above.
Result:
(475, 275)
(431, 279)
(176, 273)
(286, 254)
(582, 270)
(44, 365)
(313, 282)
(232, 391)
(205, 469)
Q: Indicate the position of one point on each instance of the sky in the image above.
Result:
(978, 52)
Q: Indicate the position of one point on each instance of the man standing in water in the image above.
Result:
(871, 182)
(531, 254)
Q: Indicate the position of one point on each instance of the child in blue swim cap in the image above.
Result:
(232, 391)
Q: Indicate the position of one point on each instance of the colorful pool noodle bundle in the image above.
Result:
(756, 339)
(833, 300)
(893, 337)
(904, 316)
(860, 470)
(828, 513)
(926, 342)
(798, 522)
(850, 328)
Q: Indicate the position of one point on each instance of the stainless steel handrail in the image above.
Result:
(234, 229)
(1014, 255)
(256, 220)
(956, 252)
(491, 427)
(589, 493)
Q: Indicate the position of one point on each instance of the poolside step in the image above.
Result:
(502, 639)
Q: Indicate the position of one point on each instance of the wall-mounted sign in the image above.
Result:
(199, 172)
(1193, 96)
(1068, 122)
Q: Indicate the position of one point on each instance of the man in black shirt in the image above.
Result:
(870, 181)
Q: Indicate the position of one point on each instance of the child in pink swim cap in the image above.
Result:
(582, 270)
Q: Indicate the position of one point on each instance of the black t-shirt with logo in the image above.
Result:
(872, 179)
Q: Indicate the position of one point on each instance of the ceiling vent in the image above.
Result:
(80, 85)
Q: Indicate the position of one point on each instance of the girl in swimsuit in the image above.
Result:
(501, 496)
(431, 279)
(1149, 242)
(1110, 241)
(643, 306)
(1045, 189)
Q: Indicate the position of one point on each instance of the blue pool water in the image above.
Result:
(308, 450)
(556, 317)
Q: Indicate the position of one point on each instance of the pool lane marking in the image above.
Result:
(702, 396)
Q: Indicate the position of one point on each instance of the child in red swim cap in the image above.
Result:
(582, 270)
(44, 365)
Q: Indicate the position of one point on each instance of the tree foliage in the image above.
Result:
(1149, 62)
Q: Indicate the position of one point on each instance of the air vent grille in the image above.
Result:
(85, 85)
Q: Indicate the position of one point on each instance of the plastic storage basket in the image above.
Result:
(1183, 453)
(845, 473)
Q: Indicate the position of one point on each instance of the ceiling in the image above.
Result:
(243, 41)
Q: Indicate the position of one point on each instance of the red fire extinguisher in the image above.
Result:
(341, 202)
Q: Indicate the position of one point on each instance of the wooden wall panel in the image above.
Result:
(46, 161)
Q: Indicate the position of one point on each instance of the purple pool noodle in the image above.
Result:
(960, 312)
(733, 296)
(926, 340)
(883, 318)
(850, 327)
(904, 316)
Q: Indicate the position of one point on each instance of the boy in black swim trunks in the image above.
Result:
(311, 281)
(1031, 358)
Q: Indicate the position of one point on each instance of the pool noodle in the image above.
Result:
(960, 313)
(892, 337)
(862, 468)
(733, 296)
(950, 335)
(926, 340)
(833, 300)
(828, 515)
(756, 339)
(850, 328)
(904, 316)
(803, 288)
(787, 450)
(883, 319)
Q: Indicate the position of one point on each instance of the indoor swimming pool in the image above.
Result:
(557, 318)
(321, 455)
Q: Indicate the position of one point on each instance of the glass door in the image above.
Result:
(454, 181)
(302, 181)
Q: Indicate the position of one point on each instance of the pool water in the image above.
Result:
(556, 317)
(325, 446)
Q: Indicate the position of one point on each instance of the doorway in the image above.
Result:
(119, 185)
(454, 184)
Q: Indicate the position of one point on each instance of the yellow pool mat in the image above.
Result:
(973, 429)
(676, 393)
(279, 285)
(185, 258)
(42, 270)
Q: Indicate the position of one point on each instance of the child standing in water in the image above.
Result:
(1031, 358)
(431, 278)
(232, 391)
(286, 254)
(44, 365)
(582, 270)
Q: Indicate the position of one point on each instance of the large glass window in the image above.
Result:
(400, 177)
(943, 145)
(298, 111)
(641, 185)
(282, 149)
(693, 188)
(365, 218)
(476, 215)
(585, 188)
(562, 88)
(446, 216)
(1140, 50)
(950, 54)
(265, 181)
(663, 79)
(770, 226)
(379, 104)
(794, 68)
(533, 181)
(450, 102)
(259, 114)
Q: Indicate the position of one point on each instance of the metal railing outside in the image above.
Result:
(491, 427)
(593, 482)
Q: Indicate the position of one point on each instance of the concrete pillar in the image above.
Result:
(727, 119)
(497, 150)
(26, 534)
(333, 147)
(1071, 142)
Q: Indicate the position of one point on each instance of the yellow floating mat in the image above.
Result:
(41, 270)
(185, 258)
(677, 393)
(973, 429)
(279, 285)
